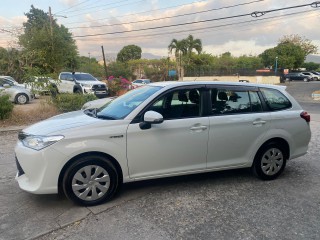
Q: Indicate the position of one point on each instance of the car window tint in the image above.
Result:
(275, 99)
(178, 104)
(256, 105)
(228, 101)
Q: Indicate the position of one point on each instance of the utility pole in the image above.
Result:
(104, 62)
(50, 17)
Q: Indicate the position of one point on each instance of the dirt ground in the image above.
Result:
(35, 111)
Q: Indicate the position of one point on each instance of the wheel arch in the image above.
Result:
(282, 143)
(77, 87)
(72, 160)
(19, 94)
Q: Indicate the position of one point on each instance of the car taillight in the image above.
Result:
(305, 116)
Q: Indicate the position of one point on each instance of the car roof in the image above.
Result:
(188, 83)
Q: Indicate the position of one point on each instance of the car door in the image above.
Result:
(178, 144)
(66, 83)
(237, 126)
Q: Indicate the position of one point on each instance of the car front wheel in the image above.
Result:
(269, 162)
(90, 180)
(22, 98)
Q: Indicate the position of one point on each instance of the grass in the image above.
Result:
(30, 113)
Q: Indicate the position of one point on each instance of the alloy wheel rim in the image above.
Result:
(272, 161)
(22, 99)
(91, 182)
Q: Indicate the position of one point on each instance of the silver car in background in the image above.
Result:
(17, 94)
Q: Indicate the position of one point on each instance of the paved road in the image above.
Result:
(302, 92)
(222, 205)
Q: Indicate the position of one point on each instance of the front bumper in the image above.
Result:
(38, 171)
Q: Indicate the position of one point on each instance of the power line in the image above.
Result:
(196, 22)
(99, 6)
(179, 15)
(205, 29)
(72, 6)
(105, 8)
(139, 13)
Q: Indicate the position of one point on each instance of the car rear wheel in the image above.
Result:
(90, 180)
(21, 98)
(305, 80)
(269, 162)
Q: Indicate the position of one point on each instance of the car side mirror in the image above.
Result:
(149, 118)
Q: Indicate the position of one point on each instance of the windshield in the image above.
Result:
(84, 77)
(122, 106)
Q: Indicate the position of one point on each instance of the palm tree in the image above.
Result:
(180, 48)
(193, 44)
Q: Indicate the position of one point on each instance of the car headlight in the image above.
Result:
(40, 142)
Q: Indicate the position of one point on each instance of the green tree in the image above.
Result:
(311, 66)
(129, 52)
(119, 69)
(288, 55)
(193, 44)
(90, 65)
(304, 43)
(180, 49)
(47, 45)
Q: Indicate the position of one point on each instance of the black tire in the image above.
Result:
(78, 91)
(21, 98)
(54, 91)
(269, 161)
(103, 176)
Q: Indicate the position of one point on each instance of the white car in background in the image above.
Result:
(160, 130)
(12, 80)
(17, 94)
(81, 83)
(139, 83)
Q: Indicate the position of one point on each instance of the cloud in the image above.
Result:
(69, 3)
(245, 35)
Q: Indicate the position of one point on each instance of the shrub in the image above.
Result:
(67, 102)
(115, 85)
(6, 107)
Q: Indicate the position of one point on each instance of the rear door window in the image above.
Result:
(231, 101)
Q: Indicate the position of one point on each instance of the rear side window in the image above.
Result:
(227, 101)
(275, 99)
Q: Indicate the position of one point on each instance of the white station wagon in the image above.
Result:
(161, 130)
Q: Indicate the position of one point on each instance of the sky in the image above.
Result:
(222, 25)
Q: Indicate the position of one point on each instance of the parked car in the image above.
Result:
(12, 80)
(17, 94)
(297, 76)
(317, 74)
(313, 76)
(83, 83)
(139, 83)
(42, 86)
(159, 130)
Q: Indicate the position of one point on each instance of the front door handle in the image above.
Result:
(259, 122)
(198, 128)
